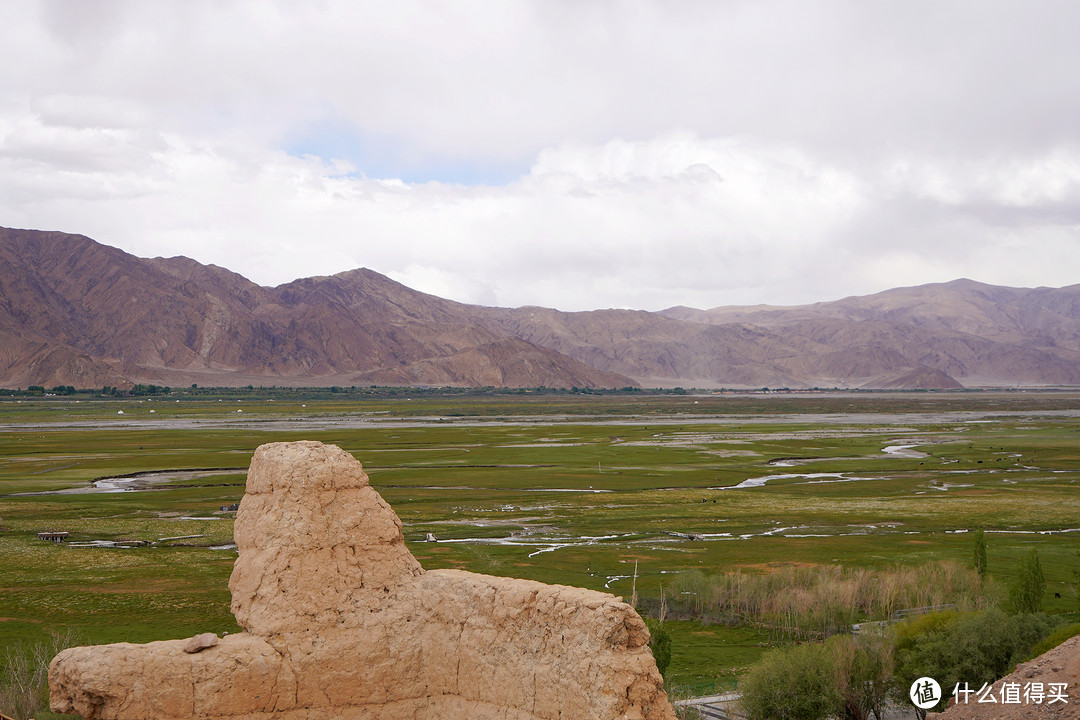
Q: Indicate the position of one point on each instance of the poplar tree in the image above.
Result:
(980, 552)
(1026, 593)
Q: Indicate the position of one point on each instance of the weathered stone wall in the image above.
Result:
(342, 623)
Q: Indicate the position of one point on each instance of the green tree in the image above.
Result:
(1076, 581)
(1027, 591)
(920, 649)
(862, 670)
(792, 683)
(980, 552)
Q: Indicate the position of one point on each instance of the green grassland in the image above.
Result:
(558, 487)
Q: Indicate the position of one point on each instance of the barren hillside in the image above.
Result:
(75, 312)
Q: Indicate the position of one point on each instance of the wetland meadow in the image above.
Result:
(577, 489)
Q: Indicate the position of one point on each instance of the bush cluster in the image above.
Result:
(846, 676)
(853, 677)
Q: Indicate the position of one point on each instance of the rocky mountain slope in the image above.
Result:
(75, 312)
(975, 333)
(79, 313)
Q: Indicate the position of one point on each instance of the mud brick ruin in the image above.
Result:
(341, 623)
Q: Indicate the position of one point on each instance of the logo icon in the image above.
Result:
(925, 693)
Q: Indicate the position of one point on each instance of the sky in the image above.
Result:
(575, 154)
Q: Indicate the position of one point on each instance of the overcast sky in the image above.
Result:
(573, 154)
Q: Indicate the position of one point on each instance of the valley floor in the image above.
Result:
(567, 489)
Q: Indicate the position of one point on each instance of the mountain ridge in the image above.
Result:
(74, 311)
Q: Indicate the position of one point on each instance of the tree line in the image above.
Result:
(805, 603)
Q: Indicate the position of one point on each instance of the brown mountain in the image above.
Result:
(79, 313)
(975, 333)
(75, 312)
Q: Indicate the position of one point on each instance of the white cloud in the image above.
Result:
(689, 153)
(90, 111)
(1031, 180)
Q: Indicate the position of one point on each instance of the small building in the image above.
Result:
(56, 537)
(230, 508)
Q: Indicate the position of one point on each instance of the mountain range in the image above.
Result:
(76, 312)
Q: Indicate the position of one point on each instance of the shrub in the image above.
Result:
(1052, 640)
(970, 648)
(845, 676)
(793, 683)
